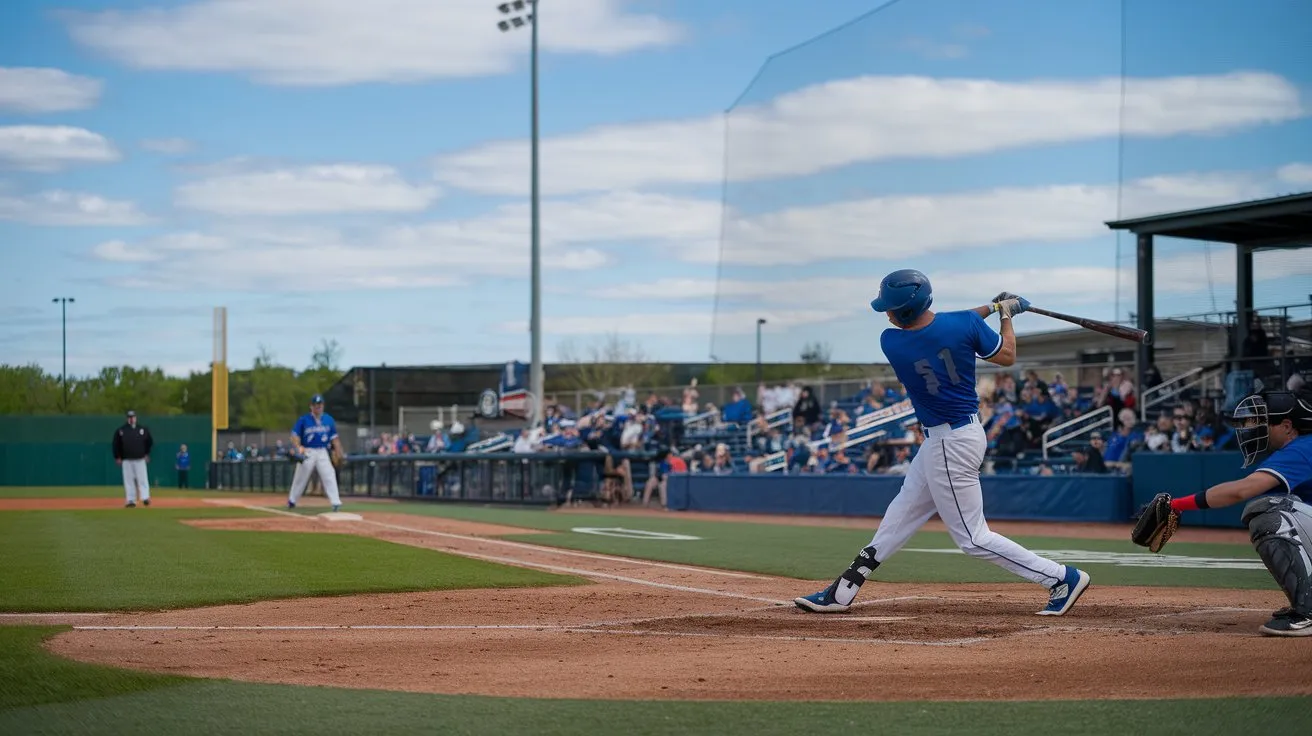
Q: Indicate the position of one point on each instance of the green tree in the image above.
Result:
(28, 389)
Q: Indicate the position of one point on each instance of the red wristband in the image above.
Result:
(1187, 503)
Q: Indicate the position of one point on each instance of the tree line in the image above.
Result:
(260, 398)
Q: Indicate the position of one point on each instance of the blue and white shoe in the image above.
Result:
(337, 507)
(1065, 593)
(291, 504)
(822, 602)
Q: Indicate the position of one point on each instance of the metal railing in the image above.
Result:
(780, 418)
(870, 427)
(499, 443)
(1090, 422)
(1168, 389)
(533, 479)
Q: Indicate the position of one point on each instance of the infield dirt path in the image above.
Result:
(647, 630)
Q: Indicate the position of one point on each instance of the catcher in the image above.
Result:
(312, 437)
(1280, 524)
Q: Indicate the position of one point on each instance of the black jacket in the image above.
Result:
(132, 443)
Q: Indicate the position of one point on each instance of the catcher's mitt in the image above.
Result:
(1157, 522)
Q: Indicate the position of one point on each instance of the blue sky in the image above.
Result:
(330, 170)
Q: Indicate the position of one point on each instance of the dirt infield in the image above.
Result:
(651, 630)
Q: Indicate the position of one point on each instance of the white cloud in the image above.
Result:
(44, 90)
(306, 190)
(332, 42)
(117, 251)
(50, 148)
(879, 228)
(167, 146)
(872, 118)
(1297, 174)
(63, 208)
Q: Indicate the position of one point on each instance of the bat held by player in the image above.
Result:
(1106, 328)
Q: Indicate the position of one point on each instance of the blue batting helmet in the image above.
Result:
(906, 293)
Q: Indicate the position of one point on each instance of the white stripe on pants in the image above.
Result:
(135, 475)
(944, 478)
(316, 460)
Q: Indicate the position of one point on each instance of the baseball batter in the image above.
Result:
(313, 436)
(933, 356)
(1279, 514)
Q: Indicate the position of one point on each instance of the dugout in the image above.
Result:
(1265, 224)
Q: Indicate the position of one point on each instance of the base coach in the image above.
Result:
(132, 444)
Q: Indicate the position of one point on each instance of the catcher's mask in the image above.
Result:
(1253, 416)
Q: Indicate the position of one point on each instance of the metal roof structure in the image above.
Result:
(1278, 222)
(1263, 224)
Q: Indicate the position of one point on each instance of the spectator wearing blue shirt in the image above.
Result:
(738, 411)
(183, 466)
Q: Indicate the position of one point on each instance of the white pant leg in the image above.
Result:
(327, 476)
(143, 479)
(300, 479)
(910, 509)
(954, 458)
(129, 480)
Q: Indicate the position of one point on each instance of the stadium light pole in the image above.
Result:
(759, 321)
(517, 18)
(63, 302)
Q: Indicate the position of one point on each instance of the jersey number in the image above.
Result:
(931, 378)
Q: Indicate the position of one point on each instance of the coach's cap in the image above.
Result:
(131, 413)
(316, 399)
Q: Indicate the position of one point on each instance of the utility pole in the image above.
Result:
(63, 303)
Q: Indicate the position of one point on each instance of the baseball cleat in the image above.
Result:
(291, 504)
(1287, 623)
(337, 507)
(1065, 593)
(146, 502)
(130, 505)
(822, 602)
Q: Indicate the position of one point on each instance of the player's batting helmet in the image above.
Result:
(906, 293)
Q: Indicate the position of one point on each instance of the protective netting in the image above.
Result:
(987, 143)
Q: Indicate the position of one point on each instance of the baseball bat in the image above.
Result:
(1106, 328)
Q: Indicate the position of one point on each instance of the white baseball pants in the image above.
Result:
(944, 479)
(136, 476)
(316, 461)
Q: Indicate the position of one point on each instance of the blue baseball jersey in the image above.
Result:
(937, 364)
(315, 433)
(1292, 466)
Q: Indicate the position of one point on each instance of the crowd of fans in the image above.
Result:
(786, 427)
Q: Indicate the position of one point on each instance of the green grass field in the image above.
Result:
(116, 559)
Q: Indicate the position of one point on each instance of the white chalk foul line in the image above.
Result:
(533, 547)
(780, 637)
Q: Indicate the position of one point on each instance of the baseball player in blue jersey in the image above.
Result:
(933, 355)
(312, 437)
(1279, 516)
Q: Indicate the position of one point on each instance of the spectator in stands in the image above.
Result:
(822, 461)
(690, 397)
(438, 441)
(841, 463)
(1152, 377)
(1205, 439)
(901, 461)
(670, 463)
(868, 405)
(458, 439)
(1034, 383)
(775, 441)
(807, 407)
(873, 459)
(798, 452)
(280, 450)
(633, 435)
(1088, 460)
(1058, 390)
(738, 411)
(524, 442)
(232, 454)
(1124, 441)
(1006, 389)
(1040, 410)
(705, 464)
(1256, 346)
(837, 421)
(1155, 440)
(1044, 470)
(1182, 439)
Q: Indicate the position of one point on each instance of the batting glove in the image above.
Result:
(1022, 304)
(1009, 308)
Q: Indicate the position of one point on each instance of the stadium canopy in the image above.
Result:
(1263, 224)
